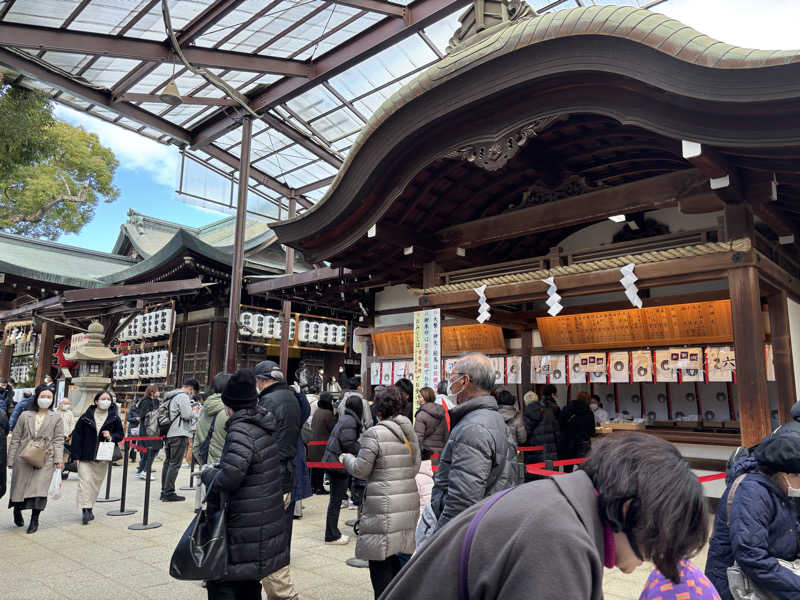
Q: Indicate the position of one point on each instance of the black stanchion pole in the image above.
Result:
(146, 511)
(190, 487)
(108, 497)
(122, 512)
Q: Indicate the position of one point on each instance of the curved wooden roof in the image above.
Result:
(630, 69)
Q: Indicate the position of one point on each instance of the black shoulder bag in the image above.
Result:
(202, 552)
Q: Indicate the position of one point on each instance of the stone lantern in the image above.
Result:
(92, 356)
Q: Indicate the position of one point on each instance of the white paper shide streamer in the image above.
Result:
(628, 281)
(484, 312)
(553, 299)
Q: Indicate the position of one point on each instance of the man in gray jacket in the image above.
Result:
(479, 458)
(181, 417)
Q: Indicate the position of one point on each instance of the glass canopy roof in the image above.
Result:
(315, 70)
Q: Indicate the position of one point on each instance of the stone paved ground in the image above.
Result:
(105, 560)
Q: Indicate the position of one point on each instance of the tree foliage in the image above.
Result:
(52, 174)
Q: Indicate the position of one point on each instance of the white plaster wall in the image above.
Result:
(600, 234)
(794, 331)
(396, 296)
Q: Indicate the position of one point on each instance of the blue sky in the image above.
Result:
(148, 171)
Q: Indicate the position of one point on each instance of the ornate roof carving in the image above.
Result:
(485, 14)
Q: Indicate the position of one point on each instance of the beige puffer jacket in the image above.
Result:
(389, 460)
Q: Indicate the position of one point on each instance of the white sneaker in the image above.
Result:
(352, 505)
(140, 475)
(340, 542)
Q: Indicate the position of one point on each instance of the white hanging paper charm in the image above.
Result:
(628, 282)
(484, 313)
(553, 299)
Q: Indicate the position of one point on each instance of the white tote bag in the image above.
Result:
(105, 451)
(55, 485)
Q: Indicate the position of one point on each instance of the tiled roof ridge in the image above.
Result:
(66, 247)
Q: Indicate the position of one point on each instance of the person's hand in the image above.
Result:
(287, 499)
(107, 435)
(59, 466)
(77, 463)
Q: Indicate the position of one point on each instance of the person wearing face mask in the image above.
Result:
(600, 413)
(479, 457)
(759, 524)
(634, 499)
(100, 423)
(30, 484)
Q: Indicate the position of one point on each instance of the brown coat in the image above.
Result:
(431, 427)
(321, 426)
(26, 481)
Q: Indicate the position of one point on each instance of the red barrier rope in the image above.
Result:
(530, 448)
(138, 448)
(713, 477)
(141, 438)
(318, 443)
(325, 465)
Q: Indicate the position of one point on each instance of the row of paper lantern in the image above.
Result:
(25, 347)
(154, 324)
(268, 326)
(142, 366)
(21, 373)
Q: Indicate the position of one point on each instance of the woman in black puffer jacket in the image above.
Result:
(249, 474)
(343, 440)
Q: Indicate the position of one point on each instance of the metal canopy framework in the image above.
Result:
(315, 70)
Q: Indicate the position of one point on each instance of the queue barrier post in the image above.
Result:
(190, 487)
(146, 510)
(122, 512)
(108, 497)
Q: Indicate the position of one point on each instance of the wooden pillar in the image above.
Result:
(748, 337)
(216, 356)
(782, 354)
(366, 363)
(6, 352)
(738, 221)
(287, 306)
(431, 274)
(527, 344)
(45, 352)
(237, 264)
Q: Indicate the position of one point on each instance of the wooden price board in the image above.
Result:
(674, 324)
(456, 339)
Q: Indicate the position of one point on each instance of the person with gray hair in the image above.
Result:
(479, 458)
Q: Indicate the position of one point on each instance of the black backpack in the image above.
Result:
(202, 449)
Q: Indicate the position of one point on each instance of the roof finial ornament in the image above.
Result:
(485, 14)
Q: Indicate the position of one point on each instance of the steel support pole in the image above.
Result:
(238, 248)
(287, 306)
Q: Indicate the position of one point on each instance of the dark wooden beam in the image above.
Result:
(295, 279)
(80, 42)
(782, 354)
(648, 194)
(751, 375)
(45, 352)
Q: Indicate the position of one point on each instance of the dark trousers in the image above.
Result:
(174, 451)
(317, 480)
(338, 493)
(381, 573)
(234, 590)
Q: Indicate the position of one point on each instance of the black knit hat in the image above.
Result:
(779, 452)
(240, 391)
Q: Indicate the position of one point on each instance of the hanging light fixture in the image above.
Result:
(170, 95)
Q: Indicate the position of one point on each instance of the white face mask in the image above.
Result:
(44, 402)
(103, 403)
(452, 396)
(792, 492)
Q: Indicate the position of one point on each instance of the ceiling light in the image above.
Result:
(170, 95)
(617, 218)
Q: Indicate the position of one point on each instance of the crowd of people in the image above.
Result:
(452, 466)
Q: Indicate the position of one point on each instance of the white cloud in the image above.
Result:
(133, 151)
(760, 24)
